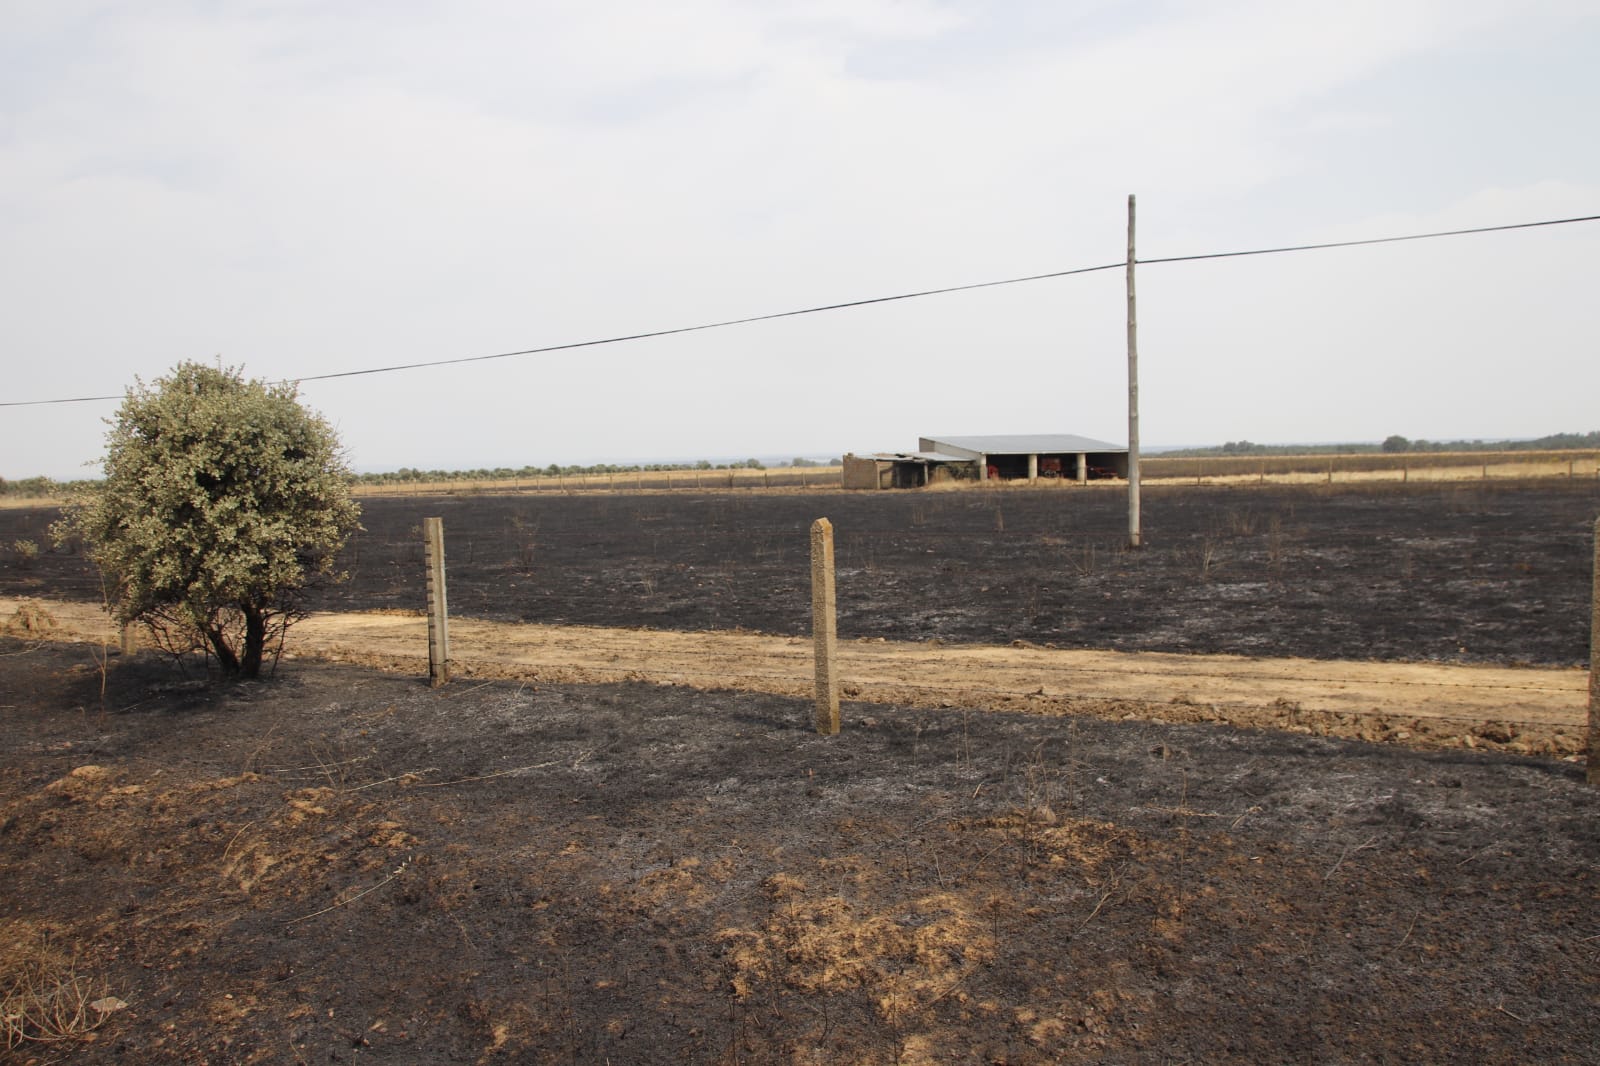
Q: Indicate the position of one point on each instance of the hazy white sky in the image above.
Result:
(304, 187)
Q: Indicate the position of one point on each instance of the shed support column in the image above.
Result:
(1083, 468)
(1033, 469)
(983, 468)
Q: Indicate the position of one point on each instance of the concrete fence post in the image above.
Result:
(1594, 666)
(438, 611)
(824, 623)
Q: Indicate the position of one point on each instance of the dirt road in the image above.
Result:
(1422, 704)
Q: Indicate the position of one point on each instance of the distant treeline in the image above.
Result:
(41, 486)
(1392, 445)
(46, 487)
(407, 475)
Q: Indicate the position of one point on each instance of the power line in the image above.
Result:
(1370, 240)
(708, 325)
(864, 303)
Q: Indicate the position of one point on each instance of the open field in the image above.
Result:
(804, 478)
(1155, 469)
(1403, 466)
(1032, 843)
(1516, 709)
(345, 866)
(1473, 572)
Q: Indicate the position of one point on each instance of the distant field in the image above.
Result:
(1279, 469)
(1214, 470)
(647, 480)
(1420, 466)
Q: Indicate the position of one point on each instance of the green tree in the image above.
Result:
(1396, 443)
(223, 500)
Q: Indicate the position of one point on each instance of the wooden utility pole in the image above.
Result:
(1134, 540)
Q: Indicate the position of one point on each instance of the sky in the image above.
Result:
(301, 188)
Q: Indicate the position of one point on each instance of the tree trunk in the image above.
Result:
(255, 640)
(219, 647)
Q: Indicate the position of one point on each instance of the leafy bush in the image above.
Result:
(26, 552)
(223, 499)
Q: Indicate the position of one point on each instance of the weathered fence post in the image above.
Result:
(130, 639)
(438, 612)
(1594, 666)
(824, 620)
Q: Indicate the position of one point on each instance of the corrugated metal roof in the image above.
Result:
(926, 457)
(1029, 443)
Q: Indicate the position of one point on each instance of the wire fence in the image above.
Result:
(1479, 569)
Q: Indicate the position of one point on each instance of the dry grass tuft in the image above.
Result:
(29, 619)
(906, 959)
(44, 999)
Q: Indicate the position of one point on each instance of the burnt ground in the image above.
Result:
(339, 865)
(345, 866)
(1474, 571)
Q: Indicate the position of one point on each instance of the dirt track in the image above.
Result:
(1431, 704)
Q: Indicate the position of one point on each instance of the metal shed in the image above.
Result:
(903, 470)
(1030, 456)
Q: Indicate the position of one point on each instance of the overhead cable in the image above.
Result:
(1120, 264)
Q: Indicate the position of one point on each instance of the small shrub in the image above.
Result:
(26, 552)
(28, 618)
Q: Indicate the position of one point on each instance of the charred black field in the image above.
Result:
(339, 865)
(1474, 571)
